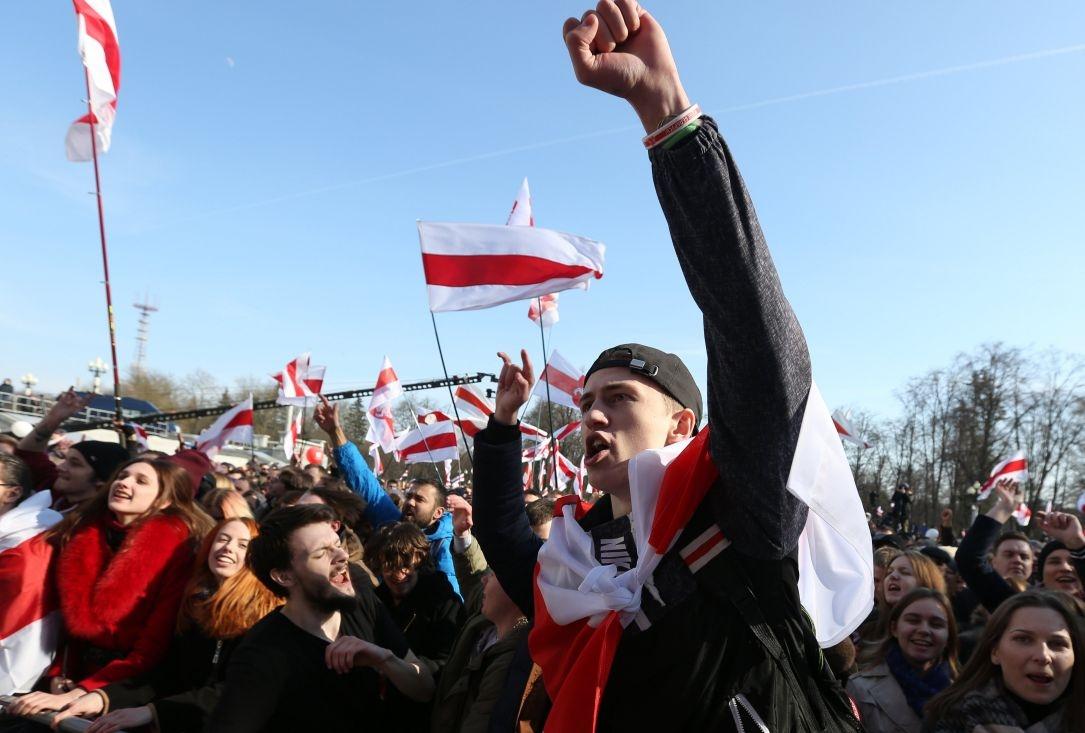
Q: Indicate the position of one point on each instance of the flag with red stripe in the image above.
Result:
(429, 443)
(566, 382)
(472, 403)
(847, 432)
(1022, 514)
(1014, 468)
(299, 382)
(235, 426)
(382, 426)
(293, 430)
(473, 266)
(30, 621)
(101, 54)
(544, 309)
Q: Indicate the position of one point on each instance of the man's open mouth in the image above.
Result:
(596, 449)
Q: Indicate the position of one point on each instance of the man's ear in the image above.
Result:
(439, 512)
(285, 578)
(682, 426)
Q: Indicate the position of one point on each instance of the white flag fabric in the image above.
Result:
(544, 309)
(293, 430)
(566, 382)
(429, 443)
(472, 403)
(101, 54)
(522, 214)
(473, 266)
(1022, 514)
(847, 431)
(382, 426)
(566, 430)
(234, 425)
(1014, 468)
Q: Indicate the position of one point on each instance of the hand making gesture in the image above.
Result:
(513, 388)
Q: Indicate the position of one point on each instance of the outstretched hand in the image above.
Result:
(619, 48)
(513, 388)
(1007, 499)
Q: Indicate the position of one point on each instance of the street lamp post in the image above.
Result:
(97, 368)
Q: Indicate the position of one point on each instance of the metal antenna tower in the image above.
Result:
(145, 310)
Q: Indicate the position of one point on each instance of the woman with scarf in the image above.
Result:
(223, 600)
(917, 660)
(124, 558)
(1026, 675)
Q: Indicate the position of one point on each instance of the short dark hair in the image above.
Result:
(540, 512)
(347, 505)
(294, 479)
(398, 545)
(441, 493)
(271, 549)
(1006, 536)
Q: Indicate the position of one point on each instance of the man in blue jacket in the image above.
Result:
(424, 505)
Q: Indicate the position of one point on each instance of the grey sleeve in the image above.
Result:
(758, 363)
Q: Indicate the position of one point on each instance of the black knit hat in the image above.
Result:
(666, 370)
(1045, 553)
(103, 457)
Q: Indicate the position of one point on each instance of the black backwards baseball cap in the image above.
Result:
(666, 370)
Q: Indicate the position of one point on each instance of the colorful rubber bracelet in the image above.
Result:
(681, 135)
(684, 118)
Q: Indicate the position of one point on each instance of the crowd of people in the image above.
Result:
(200, 596)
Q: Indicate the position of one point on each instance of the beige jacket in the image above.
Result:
(881, 702)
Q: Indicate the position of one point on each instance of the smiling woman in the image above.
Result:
(124, 557)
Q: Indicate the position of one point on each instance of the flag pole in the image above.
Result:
(549, 405)
(105, 261)
(425, 443)
(455, 410)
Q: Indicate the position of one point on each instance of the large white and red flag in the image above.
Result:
(566, 430)
(472, 404)
(101, 56)
(234, 425)
(429, 443)
(473, 266)
(1014, 468)
(382, 426)
(544, 309)
(847, 431)
(470, 428)
(567, 471)
(566, 382)
(299, 382)
(30, 622)
(293, 430)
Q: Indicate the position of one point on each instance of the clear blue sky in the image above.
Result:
(270, 161)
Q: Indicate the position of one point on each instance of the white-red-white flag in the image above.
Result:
(531, 432)
(1022, 514)
(471, 403)
(101, 54)
(567, 471)
(234, 425)
(473, 266)
(299, 382)
(847, 431)
(140, 435)
(429, 443)
(30, 623)
(580, 483)
(1014, 468)
(382, 426)
(537, 452)
(566, 430)
(545, 309)
(293, 430)
(566, 382)
(522, 214)
(378, 464)
(528, 474)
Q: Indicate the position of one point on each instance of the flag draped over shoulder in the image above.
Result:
(30, 621)
(101, 54)
(473, 266)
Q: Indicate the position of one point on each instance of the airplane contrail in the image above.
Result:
(771, 102)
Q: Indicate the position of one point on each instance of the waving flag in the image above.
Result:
(548, 314)
(566, 430)
(473, 266)
(140, 435)
(293, 430)
(522, 214)
(429, 443)
(566, 382)
(101, 56)
(531, 432)
(382, 425)
(299, 382)
(1014, 468)
(471, 402)
(1022, 514)
(30, 622)
(847, 431)
(234, 425)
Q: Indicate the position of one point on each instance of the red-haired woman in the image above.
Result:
(124, 559)
(222, 601)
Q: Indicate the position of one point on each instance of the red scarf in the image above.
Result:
(575, 658)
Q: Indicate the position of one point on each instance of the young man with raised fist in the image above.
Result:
(672, 603)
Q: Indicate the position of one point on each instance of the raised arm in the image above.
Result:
(379, 507)
(758, 363)
(971, 555)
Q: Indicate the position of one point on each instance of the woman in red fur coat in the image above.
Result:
(124, 559)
